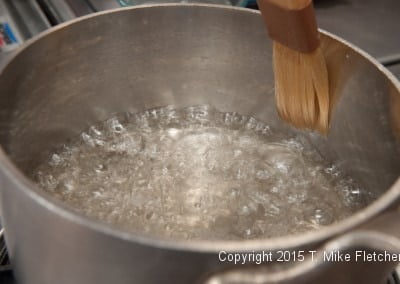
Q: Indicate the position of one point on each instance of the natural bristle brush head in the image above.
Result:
(301, 76)
(301, 88)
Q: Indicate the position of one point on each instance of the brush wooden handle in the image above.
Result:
(291, 4)
(291, 23)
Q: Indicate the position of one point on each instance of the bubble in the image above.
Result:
(115, 126)
(47, 181)
(99, 168)
(196, 173)
(321, 215)
(97, 194)
(93, 131)
(245, 211)
(87, 139)
(55, 160)
(234, 120)
(173, 133)
(90, 141)
(251, 123)
(263, 174)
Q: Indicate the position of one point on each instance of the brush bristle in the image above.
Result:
(301, 87)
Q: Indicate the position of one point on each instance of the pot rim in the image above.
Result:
(385, 201)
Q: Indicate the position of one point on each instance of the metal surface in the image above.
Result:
(316, 269)
(240, 3)
(140, 58)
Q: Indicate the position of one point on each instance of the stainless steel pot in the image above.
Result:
(139, 58)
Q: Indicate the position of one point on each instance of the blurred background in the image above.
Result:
(370, 24)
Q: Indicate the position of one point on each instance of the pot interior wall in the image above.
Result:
(132, 60)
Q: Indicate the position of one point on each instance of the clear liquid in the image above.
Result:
(197, 173)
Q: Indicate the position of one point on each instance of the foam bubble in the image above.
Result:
(197, 173)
